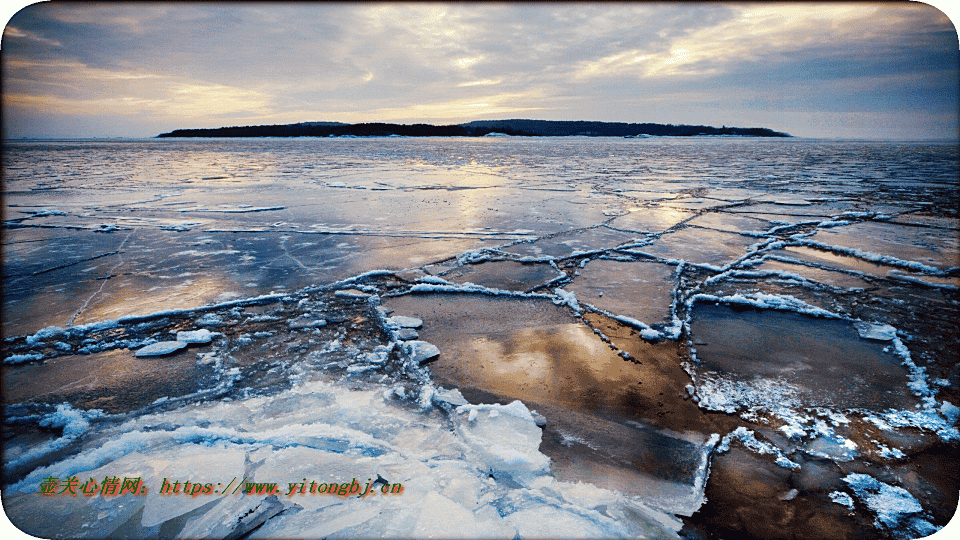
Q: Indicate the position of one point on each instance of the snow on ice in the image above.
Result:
(660, 241)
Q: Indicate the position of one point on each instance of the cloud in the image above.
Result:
(198, 63)
(757, 32)
(12, 32)
(483, 82)
(126, 92)
(450, 111)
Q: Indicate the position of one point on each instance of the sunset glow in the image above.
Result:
(815, 70)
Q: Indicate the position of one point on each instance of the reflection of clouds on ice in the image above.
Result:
(644, 236)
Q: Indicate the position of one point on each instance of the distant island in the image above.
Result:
(477, 128)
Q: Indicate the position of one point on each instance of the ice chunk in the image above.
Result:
(950, 412)
(306, 321)
(650, 333)
(48, 332)
(420, 351)
(840, 497)
(443, 518)
(170, 469)
(749, 441)
(879, 332)
(209, 319)
(22, 358)
(233, 517)
(161, 348)
(832, 447)
(504, 438)
(407, 334)
(406, 322)
(890, 503)
(351, 293)
(453, 397)
(568, 298)
(195, 336)
(531, 523)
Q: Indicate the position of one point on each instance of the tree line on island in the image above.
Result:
(477, 128)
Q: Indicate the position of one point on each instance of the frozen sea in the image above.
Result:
(533, 337)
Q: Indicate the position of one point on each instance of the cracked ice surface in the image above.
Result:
(648, 298)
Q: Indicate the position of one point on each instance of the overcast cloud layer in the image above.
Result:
(814, 70)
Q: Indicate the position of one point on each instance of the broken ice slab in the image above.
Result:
(785, 211)
(830, 259)
(934, 247)
(286, 438)
(777, 359)
(407, 334)
(785, 199)
(821, 275)
(692, 204)
(138, 516)
(651, 218)
(895, 507)
(420, 352)
(503, 438)
(666, 469)
(505, 275)
(533, 350)
(452, 397)
(932, 221)
(832, 447)
(729, 222)
(306, 321)
(642, 291)
(879, 332)
(567, 244)
(233, 518)
(406, 322)
(700, 246)
(95, 517)
(529, 349)
(161, 348)
(195, 336)
(114, 380)
(525, 349)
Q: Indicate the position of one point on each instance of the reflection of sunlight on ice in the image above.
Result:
(651, 218)
(132, 295)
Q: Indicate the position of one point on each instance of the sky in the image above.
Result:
(833, 70)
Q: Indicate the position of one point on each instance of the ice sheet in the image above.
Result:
(282, 249)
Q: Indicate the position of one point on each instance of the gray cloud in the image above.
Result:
(160, 66)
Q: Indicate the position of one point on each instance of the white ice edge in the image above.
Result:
(894, 274)
(870, 256)
(764, 301)
(748, 439)
(81, 329)
(433, 284)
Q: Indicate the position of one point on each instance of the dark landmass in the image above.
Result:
(478, 128)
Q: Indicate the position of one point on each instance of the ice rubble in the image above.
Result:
(484, 478)
(894, 506)
(748, 439)
(672, 235)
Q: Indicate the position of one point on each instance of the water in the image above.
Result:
(654, 300)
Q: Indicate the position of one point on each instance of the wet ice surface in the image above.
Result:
(736, 337)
